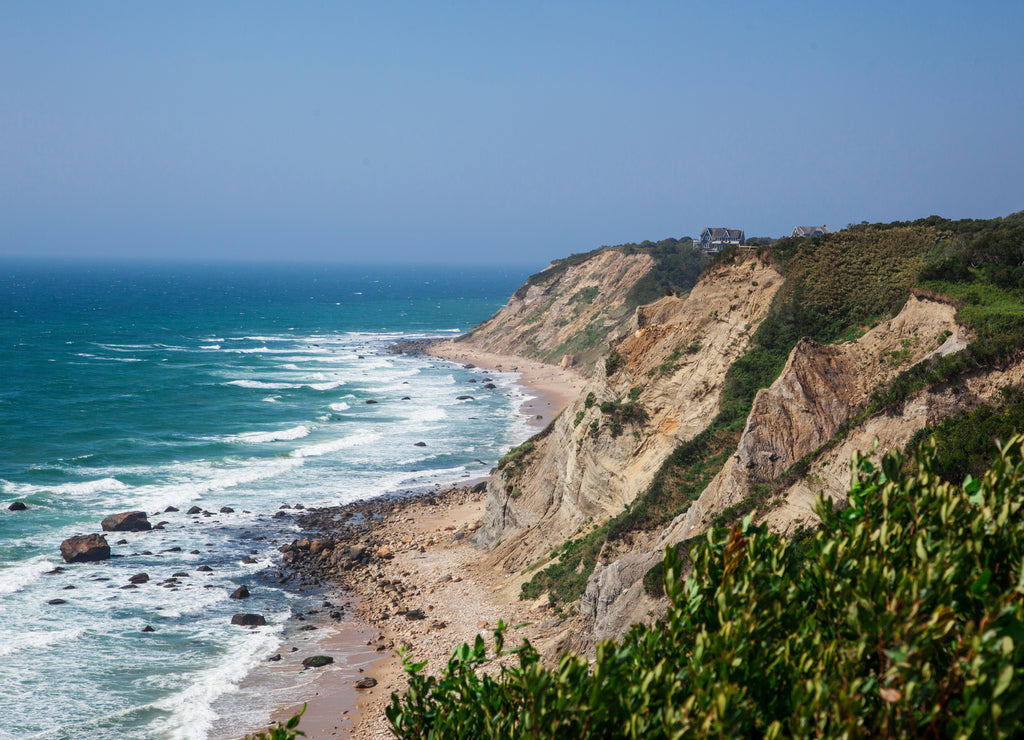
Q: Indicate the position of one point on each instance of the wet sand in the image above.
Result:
(439, 572)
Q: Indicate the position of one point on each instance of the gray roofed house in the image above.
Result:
(811, 230)
(716, 239)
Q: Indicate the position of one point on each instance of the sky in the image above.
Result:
(494, 132)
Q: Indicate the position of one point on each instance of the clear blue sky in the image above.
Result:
(494, 131)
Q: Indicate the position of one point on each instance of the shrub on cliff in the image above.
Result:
(902, 616)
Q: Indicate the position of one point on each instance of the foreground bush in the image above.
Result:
(903, 620)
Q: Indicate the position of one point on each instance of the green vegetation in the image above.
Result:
(584, 296)
(677, 265)
(963, 442)
(612, 363)
(286, 731)
(566, 579)
(903, 615)
(620, 413)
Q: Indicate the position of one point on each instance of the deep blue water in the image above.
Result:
(143, 386)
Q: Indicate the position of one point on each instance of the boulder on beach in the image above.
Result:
(85, 548)
(366, 683)
(17, 506)
(249, 620)
(317, 661)
(128, 521)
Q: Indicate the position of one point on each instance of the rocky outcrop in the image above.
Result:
(566, 313)
(604, 449)
(85, 548)
(129, 521)
(820, 388)
(249, 620)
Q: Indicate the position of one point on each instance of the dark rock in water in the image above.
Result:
(56, 602)
(335, 615)
(468, 366)
(121, 542)
(172, 549)
(70, 588)
(193, 552)
(298, 506)
(275, 658)
(128, 521)
(406, 398)
(85, 548)
(366, 683)
(194, 510)
(420, 444)
(370, 401)
(181, 574)
(307, 628)
(248, 560)
(226, 510)
(148, 628)
(280, 515)
(490, 386)
(170, 509)
(317, 661)
(54, 572)
(472, 380)
(204, 569)
(17, 506)
(129, 586)
(139, 578)
(240, 593)
(249, 620)
(464, 398)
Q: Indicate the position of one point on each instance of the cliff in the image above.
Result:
(568, 313)
(745, 398)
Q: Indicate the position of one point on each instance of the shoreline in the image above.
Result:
(428, 559)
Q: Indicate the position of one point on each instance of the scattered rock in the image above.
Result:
(148, 628)
(384, 552)
(85, 548)
(139, 578)
(275, 658)
(56, 602)
(415, 614)
(226, 510)
(366, 683)
(464, 398)
(170, 509)
(317, 661)
(240, 593)
(194, 510)
(370, 401)
(248, 560)
(128, 521)
(420, 444)
(249, 620)
(17, 506)
(204, 569)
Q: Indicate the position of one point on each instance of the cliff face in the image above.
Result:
(606, 447)
(820, 388)
(566, 314)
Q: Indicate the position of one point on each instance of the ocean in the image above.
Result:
(147, 386)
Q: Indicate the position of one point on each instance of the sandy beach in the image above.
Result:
(425, 589)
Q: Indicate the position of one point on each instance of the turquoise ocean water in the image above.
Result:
(144, 386)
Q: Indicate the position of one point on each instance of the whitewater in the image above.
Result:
(234, 389)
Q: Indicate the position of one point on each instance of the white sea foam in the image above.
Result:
(68, 490)
(17, 577)
(192, 713)
(340, 406)
(16, 643)
(328, 386)
(336, 445)
(255, 438)
(209, 346)
(261, 384)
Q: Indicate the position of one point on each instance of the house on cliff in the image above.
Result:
(714, 240)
